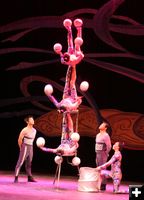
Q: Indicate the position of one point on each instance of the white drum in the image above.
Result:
(89, 179)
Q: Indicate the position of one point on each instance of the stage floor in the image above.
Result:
(45, 188)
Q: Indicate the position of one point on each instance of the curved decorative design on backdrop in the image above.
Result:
(101, 25)
(126, 126)
(102, 18)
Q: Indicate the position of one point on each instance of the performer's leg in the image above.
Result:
(67, 127)
(67, 23)
(28, 160)
(64, 128)
(78, 24)
(21, 159)
(101, 158)
(66, 92)
(116, 180)
(28, 164)
(105, 174)
(70, 124)
(72, 84)
(78, 40)
(116, 184)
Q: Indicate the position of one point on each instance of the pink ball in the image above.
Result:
(76, 161)
(67, 23)
(75, 137)
(48, 89)
(78, 22)
(57, 48)
(84, 86)
(78, 41)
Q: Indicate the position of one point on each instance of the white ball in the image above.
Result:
(78, 41)
(58, 160)
(76, 161)
(57, 48)
(67, 23)
(40, 142)
(78, 22)
(48, 89)
(75, 137)
(84, 86)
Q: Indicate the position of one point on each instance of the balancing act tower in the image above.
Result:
(69, 105)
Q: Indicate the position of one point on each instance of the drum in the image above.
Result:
(89, 180)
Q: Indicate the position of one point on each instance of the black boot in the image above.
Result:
(16, 179)
(31, 179)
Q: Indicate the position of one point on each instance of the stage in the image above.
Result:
(45, 188)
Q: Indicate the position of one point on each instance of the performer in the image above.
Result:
(70, 100)
(66, 149)
(115, 173)
(74, 55)
(25, 142)
(102, 148)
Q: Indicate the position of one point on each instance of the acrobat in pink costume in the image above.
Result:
(115, 172)
(70, 101)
